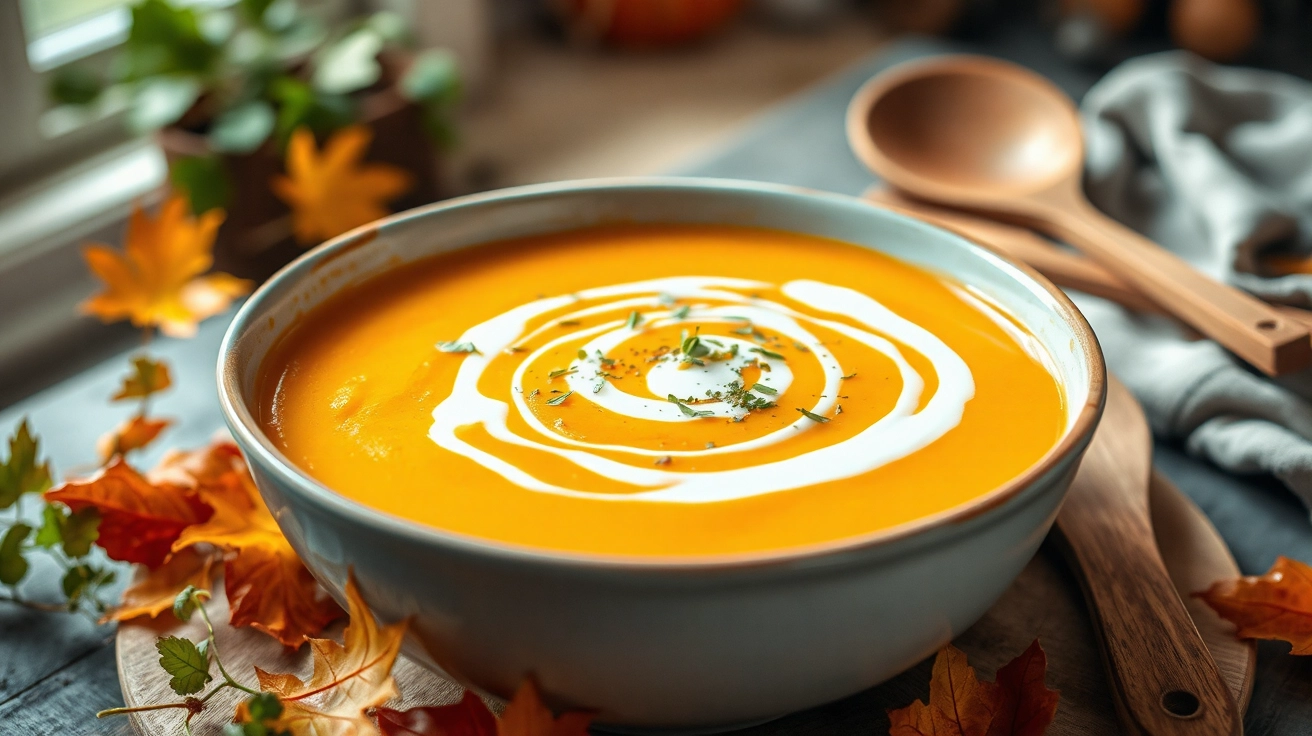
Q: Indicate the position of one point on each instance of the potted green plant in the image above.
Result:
(224, 87)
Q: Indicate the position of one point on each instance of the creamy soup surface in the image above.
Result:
(661, 391)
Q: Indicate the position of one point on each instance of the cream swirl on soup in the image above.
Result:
(729, 335)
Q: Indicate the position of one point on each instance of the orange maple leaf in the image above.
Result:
(156, 280)
(526, 715)
(154, 591)
(1018, 704)
(129, 436)
(348, 678)
(1277, 605)
(139, 520)
(267, 585)
(334, 191)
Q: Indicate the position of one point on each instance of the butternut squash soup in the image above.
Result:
(661, 390)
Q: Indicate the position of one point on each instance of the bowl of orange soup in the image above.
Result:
(692, 453)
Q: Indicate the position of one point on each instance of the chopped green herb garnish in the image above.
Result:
(569, 323)
(682, 312)
(457, 347)
(838, 409)
(768, 353)
(561, 372)
(666, 299)
(558, 400)
(634, 320)
(535, 393)
(688, 411)
(516, 349)
(710, 445)
(740, 398)
(813, 416)
(663, 460)
(761, 387)
(850, 375)
(583, 354)
(800, 347)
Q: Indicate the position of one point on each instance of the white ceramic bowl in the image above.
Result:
(660, 643)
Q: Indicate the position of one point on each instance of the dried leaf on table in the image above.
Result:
(1277, 605)
(526, 715)
(155, 591)
(156, 280)
(1018, 704)
(139, 520)
(348, 679)
(333, 190)
(469, 717)
(267, 585)
(148, 377)
(130, 436)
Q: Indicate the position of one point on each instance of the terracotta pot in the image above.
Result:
(645, 23)
(256, 238)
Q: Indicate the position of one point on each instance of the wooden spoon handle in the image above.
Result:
(1248, 327)
(1163, 679)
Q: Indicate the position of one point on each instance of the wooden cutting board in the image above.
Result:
(1044, 602)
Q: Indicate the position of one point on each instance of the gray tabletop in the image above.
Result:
(56, 671)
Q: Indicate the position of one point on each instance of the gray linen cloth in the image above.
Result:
(1214, 163)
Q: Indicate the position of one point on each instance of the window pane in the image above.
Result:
(41, 17)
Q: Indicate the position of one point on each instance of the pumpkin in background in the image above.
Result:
(645, 23)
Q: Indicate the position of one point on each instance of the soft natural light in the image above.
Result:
(59, 31)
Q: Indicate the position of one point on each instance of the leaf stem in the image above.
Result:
(138, 709)
(214, 647)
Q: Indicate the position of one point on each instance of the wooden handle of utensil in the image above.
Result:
(1163, 678)
(1248, 327)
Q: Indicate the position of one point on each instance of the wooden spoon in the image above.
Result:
(990, 136)
(1164, 681)
(1063, 267)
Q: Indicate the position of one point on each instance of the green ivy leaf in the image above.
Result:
(184, 604)
(21, 473)
(166, 38)
(242, 129)
(300, 105)
(204, 180)
(263, 708)
(432, 76)
(75, 85)
(161, 101)
(80, 530)
(350, 64)
(13, 567)
(84, 581)
(189, 667)
(51, 532)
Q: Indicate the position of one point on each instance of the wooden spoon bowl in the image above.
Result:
(990, 136)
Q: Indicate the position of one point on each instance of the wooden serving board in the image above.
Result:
(1044, 602)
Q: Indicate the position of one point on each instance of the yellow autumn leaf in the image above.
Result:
(333, 190)
(153, 591)
(348, 679)
(156, 281)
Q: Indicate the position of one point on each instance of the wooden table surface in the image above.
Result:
(56, 671)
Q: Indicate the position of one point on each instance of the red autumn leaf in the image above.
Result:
(525, 715)
(1018, 704)
(267, 585)
(469, 717)
(1277, 605)
(139, 520)
(1025, 706)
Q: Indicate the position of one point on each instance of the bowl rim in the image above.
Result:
(251, 438)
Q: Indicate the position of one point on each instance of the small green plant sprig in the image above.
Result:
(189, 666)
